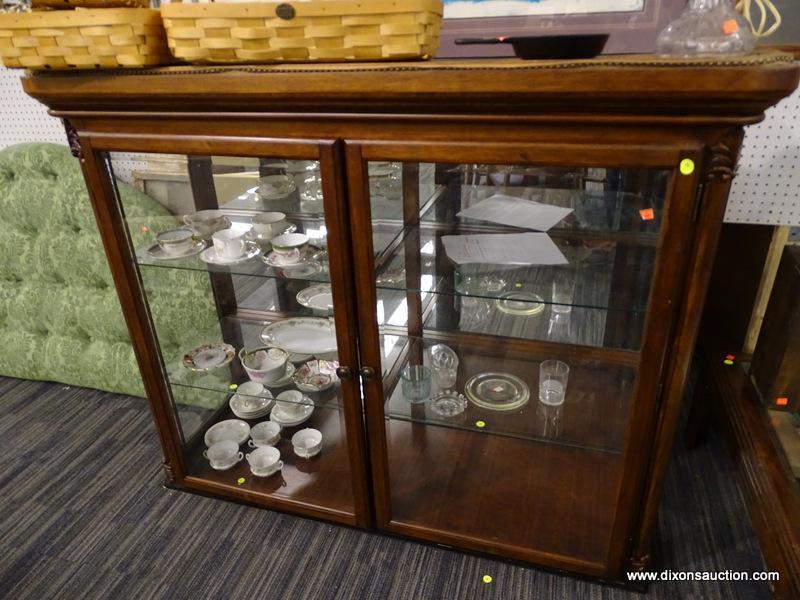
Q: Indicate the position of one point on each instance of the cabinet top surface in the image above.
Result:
(640, 84)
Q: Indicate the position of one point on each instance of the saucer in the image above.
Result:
(281, 418)
(157, 253)
(209, 255)
(303, 271)
(287, 377)
(209, 356)
(266, 239)
(307, 255)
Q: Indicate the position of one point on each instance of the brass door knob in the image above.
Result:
(344, 372)
(367, 373)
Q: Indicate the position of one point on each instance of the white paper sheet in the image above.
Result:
(517, 212)
(503, 249)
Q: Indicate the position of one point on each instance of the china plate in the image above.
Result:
(317, 297)
(520, 304)
(209, 255)
(251, 407)
(155, 251)
(209, 356)
(230, 429)
(307, 256)
(284, 420)
(302, 335)
(497, 391)
(316, 375)
(304, 271)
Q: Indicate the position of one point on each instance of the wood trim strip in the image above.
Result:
(718, 171)
(770, 489)
(111, 225)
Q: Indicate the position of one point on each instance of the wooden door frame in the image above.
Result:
(90, 149)
(671, 263)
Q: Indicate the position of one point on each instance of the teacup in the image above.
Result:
(276, 185)
(307, 442)
(265, 461)
(206, 222)
(269, 224)
(289, 245)
(223, 455)
(293, 403)
(175, 241)
(266, 433)
(264, 364)
(229, 243)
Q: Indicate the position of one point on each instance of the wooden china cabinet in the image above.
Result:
(374, 163)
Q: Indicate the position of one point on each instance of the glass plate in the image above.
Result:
(520, 304)
(448, 403)
(497, 391)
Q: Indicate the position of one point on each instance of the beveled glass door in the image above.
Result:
(244, 264)
(508, 338)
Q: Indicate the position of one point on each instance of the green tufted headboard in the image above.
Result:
(60, 318)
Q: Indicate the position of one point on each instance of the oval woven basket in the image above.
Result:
(106, 38)
(319, 30)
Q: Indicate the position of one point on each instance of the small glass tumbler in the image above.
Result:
(553, 375)
(416, 382)
(563, 291)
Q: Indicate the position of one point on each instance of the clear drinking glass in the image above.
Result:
(416, 382)
(563, 291)
(553, 375)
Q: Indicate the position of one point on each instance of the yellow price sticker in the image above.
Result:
(234, 386)
(241, 480)
(517, 285)
(487, 579)
(480, 424)
(687, 166)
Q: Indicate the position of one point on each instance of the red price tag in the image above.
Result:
(782, 401)
(647, 214)
(730, 27)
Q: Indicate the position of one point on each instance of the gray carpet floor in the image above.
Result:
(83, 514)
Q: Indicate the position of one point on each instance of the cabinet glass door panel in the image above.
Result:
(510, 309)
(233, 255)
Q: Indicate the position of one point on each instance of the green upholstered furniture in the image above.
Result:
(60, 318)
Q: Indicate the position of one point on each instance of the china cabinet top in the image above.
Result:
(734, 89)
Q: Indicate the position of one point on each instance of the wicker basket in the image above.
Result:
(69, 4)
(319, 30)
(84, 38)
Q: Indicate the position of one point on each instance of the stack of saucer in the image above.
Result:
(251, 401)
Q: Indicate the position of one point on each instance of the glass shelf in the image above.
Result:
(210, 384)
(597, 392)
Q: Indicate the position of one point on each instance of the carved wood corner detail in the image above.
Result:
(722, 164)
(73, 140)
(168, 471)
(639, 563)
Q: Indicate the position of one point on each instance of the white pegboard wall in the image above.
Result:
(23, 118)
(766, 189)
